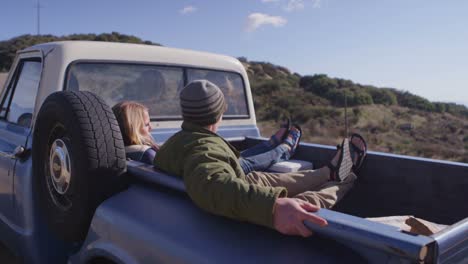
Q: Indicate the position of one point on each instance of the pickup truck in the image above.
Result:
(69, 195)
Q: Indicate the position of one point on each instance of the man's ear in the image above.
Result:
(209, 127)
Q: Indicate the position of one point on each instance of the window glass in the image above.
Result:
(5, 103)
(25, 92)
(232, 86)
(156, 87)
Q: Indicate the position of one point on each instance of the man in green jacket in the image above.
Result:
(216, 182)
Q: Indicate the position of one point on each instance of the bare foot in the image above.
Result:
(276, 138)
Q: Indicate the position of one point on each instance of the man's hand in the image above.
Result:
(289, 214)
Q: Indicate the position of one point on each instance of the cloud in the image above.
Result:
(317, 4)
(294, 5)
(256, 20)
(187, 10)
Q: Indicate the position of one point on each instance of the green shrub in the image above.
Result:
(440, 107)
(456, 109)
(319, 84)
(265, 87)
(416, 102)
(353, 98)
(383, 96)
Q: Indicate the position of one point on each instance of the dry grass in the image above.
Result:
(430, 135)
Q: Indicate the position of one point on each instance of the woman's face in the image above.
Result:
(146, 129)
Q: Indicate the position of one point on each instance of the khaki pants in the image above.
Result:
(312, 186)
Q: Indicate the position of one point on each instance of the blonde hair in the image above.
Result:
(131, 118)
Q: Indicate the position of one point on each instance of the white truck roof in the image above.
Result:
(96, 50)
(59, 55)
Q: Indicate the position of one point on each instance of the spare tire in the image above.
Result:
(78, 160)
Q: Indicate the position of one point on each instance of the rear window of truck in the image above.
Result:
(157, 87)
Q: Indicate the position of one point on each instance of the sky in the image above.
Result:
(411, 45)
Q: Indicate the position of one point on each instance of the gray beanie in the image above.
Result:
(202, 102)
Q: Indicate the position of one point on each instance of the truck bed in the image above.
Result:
(159, 202)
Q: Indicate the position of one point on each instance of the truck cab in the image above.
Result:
(70, 195)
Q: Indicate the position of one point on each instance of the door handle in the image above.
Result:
(19, 152)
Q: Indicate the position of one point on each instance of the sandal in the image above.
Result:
(361, 153)
(286, 124)
(343, 167)
(293, 138)
(356, 150)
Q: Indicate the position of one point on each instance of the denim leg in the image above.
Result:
(257, 149)
(263, 161)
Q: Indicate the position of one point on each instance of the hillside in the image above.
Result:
(9, 47)
(392, 120)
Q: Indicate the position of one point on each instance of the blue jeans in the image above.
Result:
(261, 156)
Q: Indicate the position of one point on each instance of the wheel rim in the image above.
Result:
(60, 166)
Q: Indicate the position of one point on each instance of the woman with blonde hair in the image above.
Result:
(135, 125)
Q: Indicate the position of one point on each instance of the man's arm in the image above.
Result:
(212, 184)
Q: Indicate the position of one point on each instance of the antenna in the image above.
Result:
(38, 7)
(346, 115)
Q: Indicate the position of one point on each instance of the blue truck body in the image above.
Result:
(211, 239)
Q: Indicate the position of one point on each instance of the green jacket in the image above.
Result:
(213, 177)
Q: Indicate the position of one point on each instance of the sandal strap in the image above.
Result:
(361, 153)
(293, 141)
(360, 137)
(343, 167)
(333, 170)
